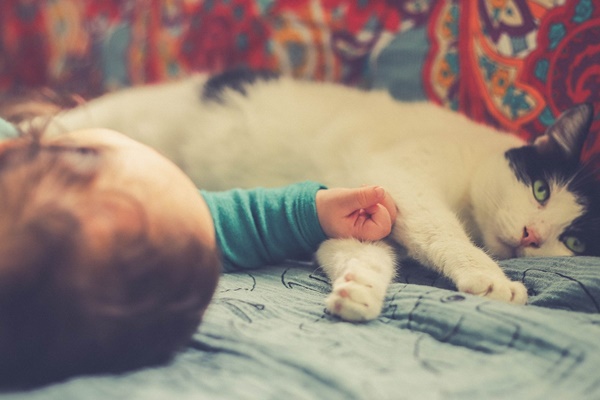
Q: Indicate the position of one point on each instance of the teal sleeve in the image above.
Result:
(261, 226)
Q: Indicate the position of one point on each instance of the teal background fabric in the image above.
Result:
(396, 67)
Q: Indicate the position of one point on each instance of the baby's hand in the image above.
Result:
(365, 213)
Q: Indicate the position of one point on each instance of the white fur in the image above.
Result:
(448, 175)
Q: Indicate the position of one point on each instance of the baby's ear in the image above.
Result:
(565, 137)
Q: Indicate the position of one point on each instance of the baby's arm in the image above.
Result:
(261, 226)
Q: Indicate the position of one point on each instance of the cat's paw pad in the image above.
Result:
(356, 296)
(496, 287)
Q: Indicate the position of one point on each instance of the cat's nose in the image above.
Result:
(530, 238)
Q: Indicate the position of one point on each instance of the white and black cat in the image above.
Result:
(467, 194)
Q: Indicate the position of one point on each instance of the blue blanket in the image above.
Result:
(266, 336)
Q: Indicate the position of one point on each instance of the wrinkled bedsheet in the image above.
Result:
(267, 336)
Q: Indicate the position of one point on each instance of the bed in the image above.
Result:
(514, 65)
(266, 336)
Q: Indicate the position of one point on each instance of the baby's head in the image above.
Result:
(107, 257)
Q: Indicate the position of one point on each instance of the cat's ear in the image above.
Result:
(565, 137)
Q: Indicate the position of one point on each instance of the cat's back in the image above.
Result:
(277, 130)
(308, 108)
(271, 125)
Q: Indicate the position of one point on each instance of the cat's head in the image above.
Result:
(546, 203)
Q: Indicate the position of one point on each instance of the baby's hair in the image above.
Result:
(69, 308)
(24, 104)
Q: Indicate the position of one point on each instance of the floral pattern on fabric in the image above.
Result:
(513, 64)
(516, 64)
(95, 46)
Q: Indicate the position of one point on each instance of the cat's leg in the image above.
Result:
(433, 235)
(360, 273)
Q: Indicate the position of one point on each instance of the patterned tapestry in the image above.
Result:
(516, 64)
(513, 64)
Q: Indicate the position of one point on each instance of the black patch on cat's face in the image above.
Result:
(587, 227)
(235, 79)
(529, 165)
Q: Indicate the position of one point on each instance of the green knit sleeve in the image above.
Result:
(261, 226)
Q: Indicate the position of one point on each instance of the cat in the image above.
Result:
(467, 195)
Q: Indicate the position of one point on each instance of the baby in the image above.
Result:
(109, 255)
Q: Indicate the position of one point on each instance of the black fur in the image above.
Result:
(530, 166)
(554, 157)
(235, 79)
(570, 130)
(586, 188)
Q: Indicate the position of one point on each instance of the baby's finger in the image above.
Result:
(374, 224)
(383, 197)
(390, 206)
(363, 197)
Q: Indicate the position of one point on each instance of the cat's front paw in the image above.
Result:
(357, 295)
(493, 286)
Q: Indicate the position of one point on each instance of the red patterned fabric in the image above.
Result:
(92, 46)
(513, 64)
(516, 64)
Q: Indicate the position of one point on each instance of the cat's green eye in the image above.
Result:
(574, 244)
(541, 190)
